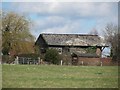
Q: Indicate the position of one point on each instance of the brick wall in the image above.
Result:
(108, 62)
(96, 61)
(89, 61)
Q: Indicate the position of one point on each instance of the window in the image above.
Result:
(60, 50)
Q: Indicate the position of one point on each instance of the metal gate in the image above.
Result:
(24, 60)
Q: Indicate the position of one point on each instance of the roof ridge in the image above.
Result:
(67, 34)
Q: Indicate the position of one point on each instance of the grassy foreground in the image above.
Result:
(39, 76)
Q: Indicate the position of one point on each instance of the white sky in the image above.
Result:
(65, 16)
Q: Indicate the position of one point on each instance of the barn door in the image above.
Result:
(74, 60)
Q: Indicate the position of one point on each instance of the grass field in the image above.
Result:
(34, 76)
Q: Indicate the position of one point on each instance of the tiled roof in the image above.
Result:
(72, 39)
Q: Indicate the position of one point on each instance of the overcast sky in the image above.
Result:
(65, 17)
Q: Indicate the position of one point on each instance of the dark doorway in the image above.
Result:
(74, 59)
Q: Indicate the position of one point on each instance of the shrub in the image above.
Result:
(52, 56)
(7, 59)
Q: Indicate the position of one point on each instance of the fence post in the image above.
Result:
(101, 63)
(61, 62)
(23, 60)
(16, 60)
(28, 61)
(82, 63)
(38, 60)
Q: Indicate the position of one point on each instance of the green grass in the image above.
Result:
(39, 76)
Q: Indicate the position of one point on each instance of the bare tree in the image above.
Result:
(94, 32)
(111, 36)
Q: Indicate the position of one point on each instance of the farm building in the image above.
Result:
(76, 48)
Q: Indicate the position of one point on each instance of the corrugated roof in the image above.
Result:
(72, 39)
